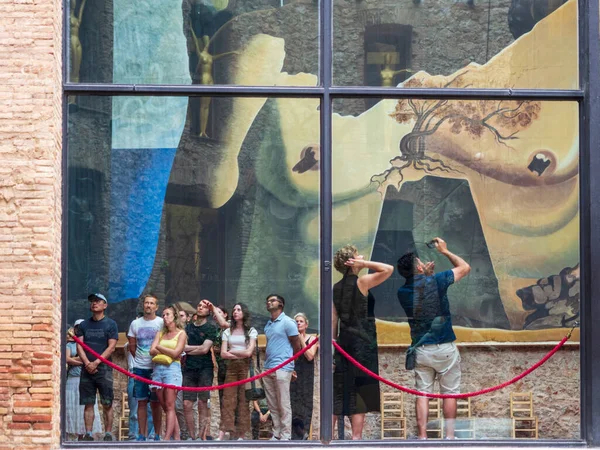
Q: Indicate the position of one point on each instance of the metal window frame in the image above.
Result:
(588, 99)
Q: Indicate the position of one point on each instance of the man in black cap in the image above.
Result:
(101, 334)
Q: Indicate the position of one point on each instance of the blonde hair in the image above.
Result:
(301, 314)
(342, 255)
(71, 332)
(178, 323)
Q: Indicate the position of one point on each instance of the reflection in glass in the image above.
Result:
(499, 183)
(508, 44)
(155, 42)
(153, 207)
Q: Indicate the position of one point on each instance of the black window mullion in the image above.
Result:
(589, 54)
(326, 206)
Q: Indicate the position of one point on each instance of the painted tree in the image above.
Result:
(503, 119)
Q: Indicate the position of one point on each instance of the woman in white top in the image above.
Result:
(239, 342)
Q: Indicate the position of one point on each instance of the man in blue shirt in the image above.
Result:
(424, 298)
(282, 342)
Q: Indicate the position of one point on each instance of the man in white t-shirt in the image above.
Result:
(140, 336)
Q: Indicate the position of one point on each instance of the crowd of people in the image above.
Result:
(190, 348)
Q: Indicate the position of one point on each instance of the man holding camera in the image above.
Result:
(424, 299)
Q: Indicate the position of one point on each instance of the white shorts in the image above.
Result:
(441, 362)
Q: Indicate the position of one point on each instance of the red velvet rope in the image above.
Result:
(466, 395)
(189, 388)
(346, 355)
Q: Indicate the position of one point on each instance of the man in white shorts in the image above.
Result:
(425, 302)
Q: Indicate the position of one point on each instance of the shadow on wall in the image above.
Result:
(442, 207)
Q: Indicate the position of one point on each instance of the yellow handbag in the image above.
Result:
(162, 359)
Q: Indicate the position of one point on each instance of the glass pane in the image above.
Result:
(467, 43)
(194, 42)
(153, 208)
(499, 183)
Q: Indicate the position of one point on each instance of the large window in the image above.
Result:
(226, 150)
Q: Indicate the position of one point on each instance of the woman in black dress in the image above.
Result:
(302, 388)
(354, 392)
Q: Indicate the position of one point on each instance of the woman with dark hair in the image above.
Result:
(166, 354)
(237, 348)
(354, 392)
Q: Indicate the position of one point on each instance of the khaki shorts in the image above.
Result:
(441, 361)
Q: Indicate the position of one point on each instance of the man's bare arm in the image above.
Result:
(132, 345)
(461, 267)
(296, 344)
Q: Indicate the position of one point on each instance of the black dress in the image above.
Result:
(302, 390)
(355, 392)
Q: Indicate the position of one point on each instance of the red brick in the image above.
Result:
(19, 426)
(42, 362)
(32, 418)
(32, 404)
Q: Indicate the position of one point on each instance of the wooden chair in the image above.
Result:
(393, 422)
(435, 419)
(124, 419)
(464, 424)
(525, 423)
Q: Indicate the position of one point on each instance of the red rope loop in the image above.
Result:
(466, 395)
(189, 388)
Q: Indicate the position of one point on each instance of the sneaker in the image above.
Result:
(108, 437)
(87, 437)
(141, 438)
(157, 437)
(274, 438)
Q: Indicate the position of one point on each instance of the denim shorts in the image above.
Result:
(141, 390)
(170, 374)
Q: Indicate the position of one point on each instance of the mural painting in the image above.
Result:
(497, 179)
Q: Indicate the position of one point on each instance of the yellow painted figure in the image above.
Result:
(203, 74)
(76, 49)
(387, 73)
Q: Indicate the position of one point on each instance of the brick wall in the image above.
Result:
(30, 222)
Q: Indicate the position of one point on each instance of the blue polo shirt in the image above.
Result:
(425, 302)
(279, 348)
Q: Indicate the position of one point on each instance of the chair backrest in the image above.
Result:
(435, 408)
(124, 405)
(463, 408)
(521, 404)
(392, 404)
